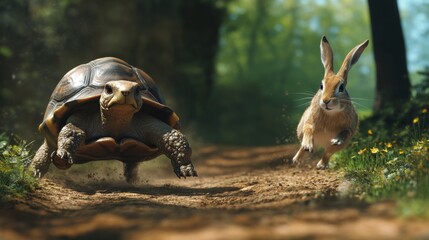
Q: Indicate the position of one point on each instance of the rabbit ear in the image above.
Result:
(351, 58)
(326, 55)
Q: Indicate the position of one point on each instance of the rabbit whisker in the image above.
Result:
(303, 99)
(303, 104)
(361, 105)
(363, 99)
(305, 93)
(356, 103)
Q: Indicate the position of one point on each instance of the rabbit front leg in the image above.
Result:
(297, 158)
(306, 143)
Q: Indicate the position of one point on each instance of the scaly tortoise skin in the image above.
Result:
(107, 109)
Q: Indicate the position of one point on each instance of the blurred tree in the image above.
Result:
(234, 70)
(393, 83)
(23, 65)
(269, 65)
(174, 41)
(200, 22)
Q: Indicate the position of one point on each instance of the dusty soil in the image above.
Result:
(241, 193)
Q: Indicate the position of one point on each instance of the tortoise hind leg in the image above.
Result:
(41, 160)
(131, 172)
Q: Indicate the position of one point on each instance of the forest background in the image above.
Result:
(238, 72)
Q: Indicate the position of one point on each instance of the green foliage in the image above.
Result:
(421, 89)
(224, 66)
(245, 114)
(385, 170)
(411, 118)
(269, 57)
(15, 157)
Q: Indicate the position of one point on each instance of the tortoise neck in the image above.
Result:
(116, 121)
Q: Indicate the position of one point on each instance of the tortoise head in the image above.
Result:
(124, 96)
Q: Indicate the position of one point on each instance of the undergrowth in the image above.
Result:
(390, 170)
(391, 162)
(15, 177)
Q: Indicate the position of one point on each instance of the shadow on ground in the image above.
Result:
(242, 193)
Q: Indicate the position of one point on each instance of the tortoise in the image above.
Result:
(107, 109)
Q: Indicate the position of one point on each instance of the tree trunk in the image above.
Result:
(393, 84)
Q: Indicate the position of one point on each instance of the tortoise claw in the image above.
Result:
(65, 155)
(186, 171)
(37, 173)
(62, 159)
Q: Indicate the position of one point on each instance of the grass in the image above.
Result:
(391, 168)
(16, 179)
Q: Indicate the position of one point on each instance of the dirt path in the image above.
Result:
(242, 193)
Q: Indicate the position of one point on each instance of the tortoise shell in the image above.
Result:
(85, 83)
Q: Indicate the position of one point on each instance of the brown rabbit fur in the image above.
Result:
(331, 119)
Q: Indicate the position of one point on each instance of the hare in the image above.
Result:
(331, 119)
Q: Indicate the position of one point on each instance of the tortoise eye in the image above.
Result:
(141, 88)
(108, 89)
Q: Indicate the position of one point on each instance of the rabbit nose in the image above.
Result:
(326, 101)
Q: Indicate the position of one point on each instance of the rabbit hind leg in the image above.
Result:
(324, 162)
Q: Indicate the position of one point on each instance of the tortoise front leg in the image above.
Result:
(176, 147)
(69, 139)
(41, 160)
(170, 142)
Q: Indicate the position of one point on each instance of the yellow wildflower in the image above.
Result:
(424, 110)
(369, 132)
(362, 151)
(374, 150)
(388, 145)
(401, 152)
(419, 146)
(415, 120)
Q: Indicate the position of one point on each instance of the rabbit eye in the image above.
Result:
(341, 88)
(321, 86)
